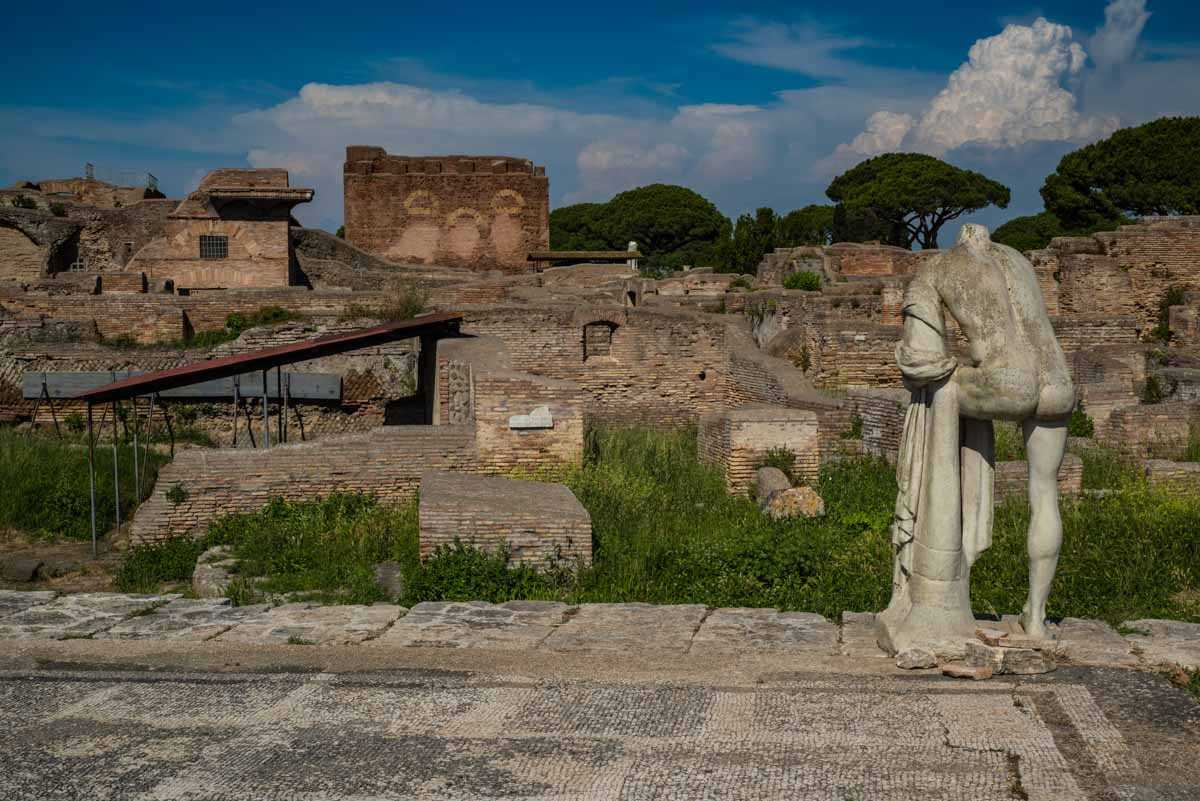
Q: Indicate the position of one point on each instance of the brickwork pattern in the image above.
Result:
(542, 524)
(737, 442)
(1012, 478)
(477, 212)
(1160, 430)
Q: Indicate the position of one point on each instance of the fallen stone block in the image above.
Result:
(1093, 642)
(214, 572)
(312, 624)
(916, 659)
(1019, 661)
(959, 670)
(187, 619)
(795, 502)
(768, 481)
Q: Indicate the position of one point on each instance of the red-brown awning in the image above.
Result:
(444, 324)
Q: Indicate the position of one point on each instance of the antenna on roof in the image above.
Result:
(89, 171)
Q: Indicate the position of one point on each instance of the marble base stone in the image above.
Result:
(77, 616)
(1165, 642)
(516, 625)
(310, 624)
(738, 630)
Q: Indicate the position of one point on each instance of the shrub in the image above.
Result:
(176, 494)
(855, 429)
(781, 459)
(741, 282)
(1080, 424)
(459, 572)
(74, 422)
(805, 279)
(24, 202)
(805, 360)
(145, 567)
(58, 209)
(1155, 390)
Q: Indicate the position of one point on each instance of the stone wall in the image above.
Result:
(657, 367)
(258, 254)
(479, 212)
(737, 441)
(386, 461)
(1125, 272)
(1160, 430)
(1177, 477)
(1012, 479)
(544, 525)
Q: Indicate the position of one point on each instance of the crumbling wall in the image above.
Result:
(387, 462)
(737, 441)
(479, 212)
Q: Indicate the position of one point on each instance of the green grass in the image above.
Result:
(44, 483)
(665, 531)
(235, 324)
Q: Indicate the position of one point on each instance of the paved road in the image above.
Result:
(1079, 733)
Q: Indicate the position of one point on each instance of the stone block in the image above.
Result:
(959, 670)
(1019, 661)
(1167, 643)
(736, 441)
(768, 481)
(632, 627)
(795, 502)
(542, 524)
(13, 601)
(512, 626)
(310, 624)
(916, 659)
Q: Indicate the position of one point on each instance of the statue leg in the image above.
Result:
(1045, 444)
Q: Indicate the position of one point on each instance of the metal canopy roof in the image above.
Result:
(442, 324)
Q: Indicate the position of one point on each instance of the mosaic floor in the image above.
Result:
(1085, 734)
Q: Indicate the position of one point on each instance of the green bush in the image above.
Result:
(1080, 424)
(144, 568)
(1174, 296)
(45, 485)
(805, 279)
(1156, 390)
(781, 459)
(24, 202)
(58, 209)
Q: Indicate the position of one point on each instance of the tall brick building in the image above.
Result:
(478, 212)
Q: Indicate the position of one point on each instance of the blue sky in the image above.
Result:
(748, 104)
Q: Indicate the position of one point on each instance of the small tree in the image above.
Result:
(914, 195)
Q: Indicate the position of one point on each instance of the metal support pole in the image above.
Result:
(92, 474)
(116, 471)
(167, 420)
(266, 414)
(50, 403)
(279, 398)
(149, 431)
(236, 401)
(137, 477)
(287, 392)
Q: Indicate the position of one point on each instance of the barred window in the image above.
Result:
(214, 247)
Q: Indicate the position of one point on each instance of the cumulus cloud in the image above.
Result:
(1114, 42)
(1014, 89)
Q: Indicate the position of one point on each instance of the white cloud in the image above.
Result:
(1113, 44)
(1012, 90)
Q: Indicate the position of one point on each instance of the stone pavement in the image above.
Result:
(538, 625)
(539, 700)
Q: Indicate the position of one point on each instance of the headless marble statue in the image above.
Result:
(1015, 370)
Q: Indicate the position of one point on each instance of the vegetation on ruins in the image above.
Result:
(672, 225)
(405, 301)
(781, 459)
(666, 531)
(58, 209)
(24, 202)
(805, 279)
(913, 195)
(1081, 423)
(1174, 296)
(1146, 170)
(45, 483)
(235, 325)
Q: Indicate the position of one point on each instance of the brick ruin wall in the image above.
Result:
(1012, 479)
(653, 367)
(736, 443)
(1159, 430)
(477, 212)
(1125, 273)
(387, 462)
(259, 254)
(542, 524)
